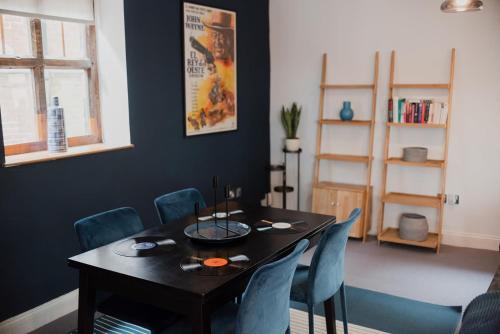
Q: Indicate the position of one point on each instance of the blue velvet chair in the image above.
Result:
(265, 307)
(482, 315)
(179, 204)
(104, 228)
(319, 282)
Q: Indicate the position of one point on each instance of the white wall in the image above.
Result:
(350, 32)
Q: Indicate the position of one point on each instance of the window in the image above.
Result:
(40, 59)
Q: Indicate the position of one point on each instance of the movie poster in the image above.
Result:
(209, 69)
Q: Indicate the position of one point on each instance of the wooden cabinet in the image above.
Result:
(337, 199)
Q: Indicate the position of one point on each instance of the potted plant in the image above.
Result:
(290, 118)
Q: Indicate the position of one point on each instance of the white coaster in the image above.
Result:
(281, 226)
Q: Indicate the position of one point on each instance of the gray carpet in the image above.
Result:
(454, 277)
(392, 314)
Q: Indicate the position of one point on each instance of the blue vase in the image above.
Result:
(346, 114)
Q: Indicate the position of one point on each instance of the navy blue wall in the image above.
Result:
(39, 203)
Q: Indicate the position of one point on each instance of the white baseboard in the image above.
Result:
(471, 240)
(41, 315)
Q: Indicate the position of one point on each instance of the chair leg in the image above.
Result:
(343, 306)
(331, 327)
(310, 309)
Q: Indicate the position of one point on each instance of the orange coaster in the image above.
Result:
(215, 262)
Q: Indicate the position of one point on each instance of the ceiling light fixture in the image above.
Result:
(459, 6)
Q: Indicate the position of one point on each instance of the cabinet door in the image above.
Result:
(346, 202)
(325, 201)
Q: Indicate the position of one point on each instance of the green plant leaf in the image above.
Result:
(290, 119)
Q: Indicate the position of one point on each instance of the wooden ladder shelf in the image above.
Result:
(338, 198)
(437, 202)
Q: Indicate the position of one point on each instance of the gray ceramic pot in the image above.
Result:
(413, 226)
(415, 154)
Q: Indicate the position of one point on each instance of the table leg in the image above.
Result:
(86, 304)
(329, 305)
(201, 321)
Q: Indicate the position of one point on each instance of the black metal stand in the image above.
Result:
(285, 152)
(284, 188)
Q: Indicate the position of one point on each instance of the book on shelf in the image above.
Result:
(390, 111)
(423, 111)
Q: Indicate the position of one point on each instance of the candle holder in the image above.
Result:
(210, 231)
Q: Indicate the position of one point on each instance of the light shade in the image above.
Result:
(458, 6)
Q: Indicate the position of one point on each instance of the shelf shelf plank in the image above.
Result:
(343, 157)
(413, 200)
(428, 163)
(421, 86)
(345, 123)
(347, 86)
(344, 186)
(417, 125)
(392, 235)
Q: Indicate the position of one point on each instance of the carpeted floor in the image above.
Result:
(393, 314)
(454, 277)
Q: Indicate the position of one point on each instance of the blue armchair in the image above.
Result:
(320, 281)
(179, 204)
(482, 315)
(265, 307)
(107, 227)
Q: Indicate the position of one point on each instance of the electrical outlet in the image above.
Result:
(452, 199)
(239, 192)
(235, 193)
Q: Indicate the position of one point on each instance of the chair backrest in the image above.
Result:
(265, 307)
(103, 228)
(179, 204)
(326, 272)
(482, 315)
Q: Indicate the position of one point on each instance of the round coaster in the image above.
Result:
(282, 227)
(214, 266)
(144, 246)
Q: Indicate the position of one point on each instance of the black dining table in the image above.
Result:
(159, 280)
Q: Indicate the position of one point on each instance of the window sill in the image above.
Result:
(38, 157)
